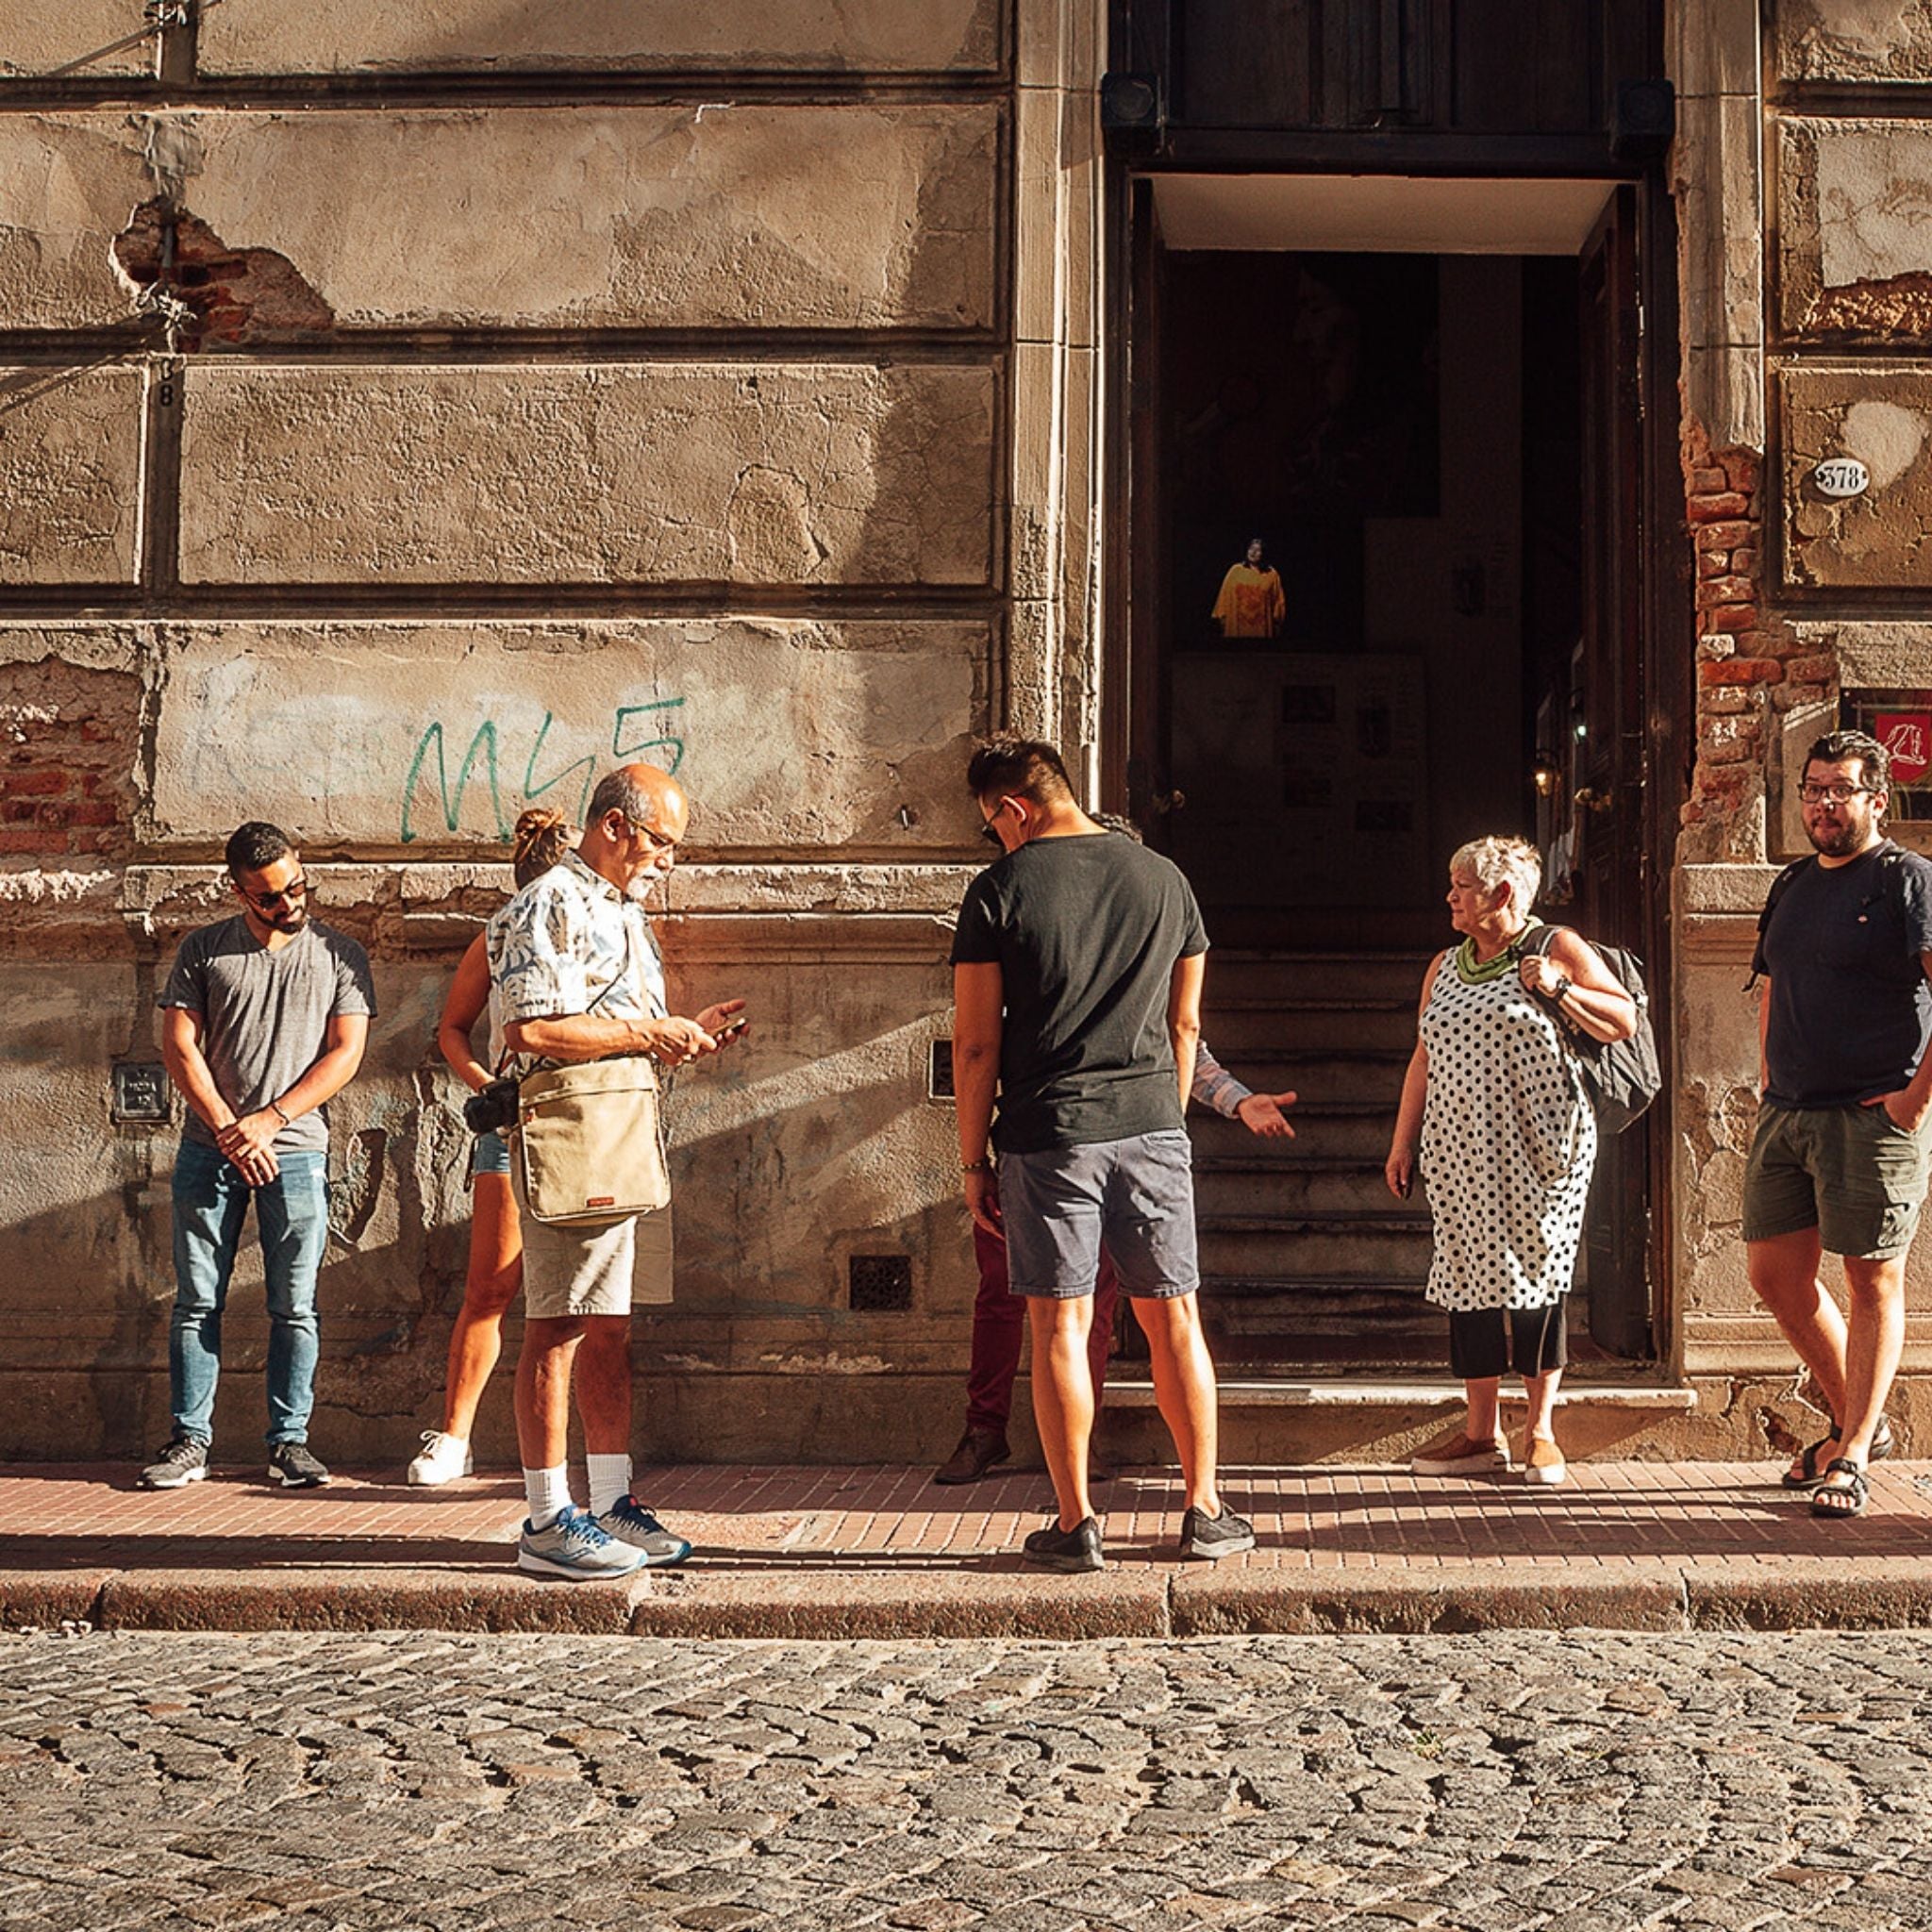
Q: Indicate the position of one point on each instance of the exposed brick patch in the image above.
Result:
(1750, 667)
(67, 738)
(237, 295)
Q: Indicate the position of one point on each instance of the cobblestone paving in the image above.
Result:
(1591, 1783)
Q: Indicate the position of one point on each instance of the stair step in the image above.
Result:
(1297, 1389)
(1340, 1222)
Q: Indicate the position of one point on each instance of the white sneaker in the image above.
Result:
(443, 1458)
(576, 1546)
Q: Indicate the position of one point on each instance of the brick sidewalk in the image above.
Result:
(868, 1551)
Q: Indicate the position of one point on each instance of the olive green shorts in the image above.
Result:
(1850, 1172)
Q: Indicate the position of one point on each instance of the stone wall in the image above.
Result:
(406, 415)
(1808, 336)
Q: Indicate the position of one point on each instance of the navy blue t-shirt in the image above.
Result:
(1086, 932)
(1850, 1007)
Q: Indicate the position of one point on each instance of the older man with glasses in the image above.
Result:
(265, 1019)
(1844, 950)
(579, 977)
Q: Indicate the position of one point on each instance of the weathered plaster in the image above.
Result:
(1878, 540)
(746, 214)
(787, 733)
(738, 36)
(75, 37)
(1854, 234)
(611, 472)
(69, 467)
(1854, 41)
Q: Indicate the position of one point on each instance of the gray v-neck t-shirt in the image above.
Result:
(265, 1014)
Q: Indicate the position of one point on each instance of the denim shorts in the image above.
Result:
(490, 1155)
(1850, 1172)
(1136, 1197)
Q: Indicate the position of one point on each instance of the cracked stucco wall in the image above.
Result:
(729, 400)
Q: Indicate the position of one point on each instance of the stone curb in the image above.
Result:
(1124, 1601)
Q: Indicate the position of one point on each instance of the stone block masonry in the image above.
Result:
(777, 473)
(547, 386)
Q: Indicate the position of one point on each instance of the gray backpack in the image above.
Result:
(1621, 1077)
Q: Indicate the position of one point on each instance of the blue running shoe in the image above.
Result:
(576, 1546)
(629, 1522)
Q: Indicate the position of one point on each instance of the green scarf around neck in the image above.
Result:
(1475, 973)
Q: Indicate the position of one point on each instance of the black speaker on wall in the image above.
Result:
(1132, 113)
(1646, 121)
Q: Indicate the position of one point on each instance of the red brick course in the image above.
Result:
(66, 751)
(1750, 669)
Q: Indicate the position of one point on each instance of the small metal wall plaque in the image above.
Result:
(140, 1093)
(1842, 477)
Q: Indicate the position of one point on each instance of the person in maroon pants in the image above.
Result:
(999, 1316)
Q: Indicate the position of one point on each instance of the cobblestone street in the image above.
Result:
(1589, 1783)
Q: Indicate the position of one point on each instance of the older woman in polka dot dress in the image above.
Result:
(1494, 1105)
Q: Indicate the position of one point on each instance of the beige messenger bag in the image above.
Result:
(591, 1145)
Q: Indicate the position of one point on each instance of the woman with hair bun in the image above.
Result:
(542, 838)
(1495, 1107)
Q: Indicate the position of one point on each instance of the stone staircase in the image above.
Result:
(1308, 1262)
(1312, 1273)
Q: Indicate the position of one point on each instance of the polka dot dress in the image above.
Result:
(1509, 1142)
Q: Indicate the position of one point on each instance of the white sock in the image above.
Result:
(610, 1479)
(549, 1493)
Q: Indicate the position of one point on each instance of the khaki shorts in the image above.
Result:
(603, 1270)
(1849, 1171)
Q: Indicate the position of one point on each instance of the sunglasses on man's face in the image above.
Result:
(292, 894)
(990, 833)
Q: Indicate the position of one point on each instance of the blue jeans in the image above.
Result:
(292, 1220)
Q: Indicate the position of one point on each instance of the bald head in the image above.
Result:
(636, 818)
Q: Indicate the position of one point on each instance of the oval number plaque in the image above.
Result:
(1842, 477)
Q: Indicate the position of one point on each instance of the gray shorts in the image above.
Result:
(1136, 1197)
(1849, 1171)
(602, 1270)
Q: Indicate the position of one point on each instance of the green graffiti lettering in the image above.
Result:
(674, 745)
(483, 744)
(587, 765)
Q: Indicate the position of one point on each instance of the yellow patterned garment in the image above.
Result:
(1251, 603)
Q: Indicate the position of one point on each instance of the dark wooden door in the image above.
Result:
(1149, 794)
(1610, 710)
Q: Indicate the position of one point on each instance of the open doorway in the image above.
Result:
(1384, 598)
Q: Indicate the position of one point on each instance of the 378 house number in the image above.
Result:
(1842, 477)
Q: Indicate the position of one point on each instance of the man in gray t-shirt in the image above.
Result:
(265, 1019)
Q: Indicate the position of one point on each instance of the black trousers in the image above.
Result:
(1485, 1343)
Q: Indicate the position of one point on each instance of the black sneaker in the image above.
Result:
(184, 1460)
(1054, 1548)
(292, 1465)
(1227, 1535)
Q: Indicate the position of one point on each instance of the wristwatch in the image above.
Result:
(1563, 985)
(983, 1165)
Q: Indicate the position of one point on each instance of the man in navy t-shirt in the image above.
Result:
(1840, 1158)
(1077, 979)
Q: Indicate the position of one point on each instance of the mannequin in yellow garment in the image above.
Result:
(1251, 603)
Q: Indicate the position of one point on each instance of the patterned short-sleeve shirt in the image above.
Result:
(568, 943)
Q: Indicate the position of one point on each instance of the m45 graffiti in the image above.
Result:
(636, 731)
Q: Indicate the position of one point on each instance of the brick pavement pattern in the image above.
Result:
(881, 1552)
(1595, 1782)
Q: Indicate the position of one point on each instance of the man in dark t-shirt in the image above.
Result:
(1077, 979)
(1838, 1160)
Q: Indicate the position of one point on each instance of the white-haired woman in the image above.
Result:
(1494, 1106)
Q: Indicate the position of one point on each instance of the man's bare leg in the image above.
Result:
(1784, 1276)
(604, 1383)
(1876, 1340)
(1063, 1397)
(1484, 1395)
(542, 1401)
(1184, 1389)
